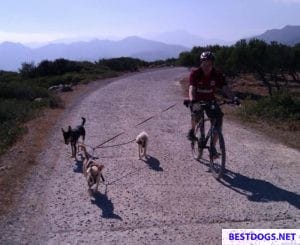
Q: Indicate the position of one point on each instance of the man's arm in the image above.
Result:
(192, 92)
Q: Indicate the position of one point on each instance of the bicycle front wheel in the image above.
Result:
(197, 149)
(218, 157)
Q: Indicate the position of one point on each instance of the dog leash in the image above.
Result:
(109, 140)
(168, 108)
(144, 121)
(108, 146)
(124, 176)
(125, 143)
(149, 118)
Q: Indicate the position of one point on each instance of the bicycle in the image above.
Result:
(218, 160)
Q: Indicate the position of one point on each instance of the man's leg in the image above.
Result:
(195, 117)
(191, 134)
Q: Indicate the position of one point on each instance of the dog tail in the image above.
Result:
(83, 121)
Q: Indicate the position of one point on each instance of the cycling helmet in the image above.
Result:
(207, 55)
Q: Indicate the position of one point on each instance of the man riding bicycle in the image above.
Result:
(203, 84)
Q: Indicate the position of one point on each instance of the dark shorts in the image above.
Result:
(212, 111)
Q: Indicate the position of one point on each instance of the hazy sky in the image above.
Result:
(46, 20)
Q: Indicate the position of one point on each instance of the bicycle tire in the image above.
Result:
(217, 164)
(197, 150)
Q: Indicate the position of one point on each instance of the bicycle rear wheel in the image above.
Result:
(217, 161)
(197, 150)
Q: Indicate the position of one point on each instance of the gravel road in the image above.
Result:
(168, 199)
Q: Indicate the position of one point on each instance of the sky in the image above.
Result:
(48, 20)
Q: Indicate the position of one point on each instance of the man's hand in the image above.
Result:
(186, 102)
(189, 103)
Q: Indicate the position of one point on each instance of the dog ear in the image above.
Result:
(69, 128)
(62, 130)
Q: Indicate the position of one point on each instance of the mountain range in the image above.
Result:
(166, 45)
(288, 35)
(12, 55)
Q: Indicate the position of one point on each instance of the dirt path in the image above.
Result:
(171, 199)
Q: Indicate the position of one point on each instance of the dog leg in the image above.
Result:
(139, 151)
(84, 168)
(102, 177)
(72, 150)
(145, 150)
(75, 150)
(97, 183)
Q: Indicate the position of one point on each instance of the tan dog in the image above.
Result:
(94, 173)
(91, 170)
(142, 141)
(87, 158)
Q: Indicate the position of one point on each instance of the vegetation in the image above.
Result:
(280, 109)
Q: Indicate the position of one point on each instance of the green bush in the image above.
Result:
(17, 110)
(9, 132)
(21, 91)
(122, 64)
(13, 113)
(279, 107)
(8, 76)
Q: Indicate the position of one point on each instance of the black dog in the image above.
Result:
(72, 136)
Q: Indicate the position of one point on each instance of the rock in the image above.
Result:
(37, 99)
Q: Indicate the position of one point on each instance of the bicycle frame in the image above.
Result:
(202, 141)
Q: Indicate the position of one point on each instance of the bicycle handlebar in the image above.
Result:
(188, 102)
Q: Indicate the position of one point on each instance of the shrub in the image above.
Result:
(281, 107)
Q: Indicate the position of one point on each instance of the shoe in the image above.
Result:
(213, 152)
(191, 136)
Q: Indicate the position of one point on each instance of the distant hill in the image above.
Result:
(13, 54)
(288, 35)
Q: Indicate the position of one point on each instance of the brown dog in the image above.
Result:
(94, 173)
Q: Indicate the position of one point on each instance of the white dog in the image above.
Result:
(142, 141)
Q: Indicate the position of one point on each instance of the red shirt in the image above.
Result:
(206, 86)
